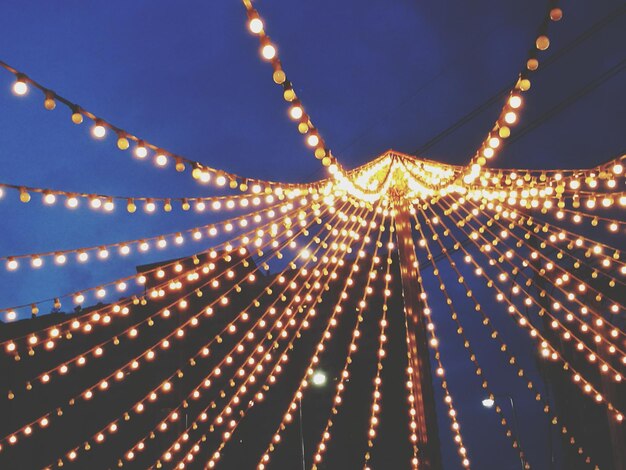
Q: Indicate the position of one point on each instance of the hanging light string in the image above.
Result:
(270, 380)
(55, 332)
(479, 372)
(132, 331)
(563, 276)
(567, 180)
(434, 343)
(152, 395)
(411, 400)
(147, 355)
(326, 336)
(344, 377)
(613, 225)
(604, 365)
(143, 150)
(596, 248)
(108, 203)
(257, 368)
(270, 310)
(162, 241)
(493, 333)
(571, 316)
(297, 112)
(375, 406)
(535, 334)
(509, 114)
(288, 211)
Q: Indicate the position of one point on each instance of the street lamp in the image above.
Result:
(318, 379)
(490, 403)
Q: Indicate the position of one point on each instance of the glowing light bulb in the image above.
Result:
(141, 151)
(98, 131)
(268, 52)
(510, 117)
(49, 198)
(296, 112)
(161, 160)
(20, 88)
(515, 101)
(71, 202)
(255, 25)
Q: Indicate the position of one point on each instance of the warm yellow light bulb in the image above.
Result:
(296, 112)
(20, 88)
(510, 117)
(98, 131)
(255, 25)
(268, 52)
(515, 101)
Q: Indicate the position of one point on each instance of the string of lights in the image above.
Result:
(326, 336)
(142, 150)
(168, 383)
(545, 344)
(141, 279)
(380, 356)
(146, 355)
(493, 333)
(271, 378)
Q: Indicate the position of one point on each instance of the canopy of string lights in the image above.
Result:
(338, 284)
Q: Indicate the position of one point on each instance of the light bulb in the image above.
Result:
(98, 131)
(20, 88)
(161, 160)
(296, 112)
(141, 151)
(255, 25)
(268, 52)
(510, 117)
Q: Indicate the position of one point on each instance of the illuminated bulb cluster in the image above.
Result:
(552, 353)
(265, 354)
(144, 245)
(287, 211)
(326, 335)
(167, 384)
(248, 383)
(375, 407)
(495, 336)
(509, 114)
(352, 348)
(296, 112)
(603, 365)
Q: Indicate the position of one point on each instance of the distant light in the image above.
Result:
(488, 402)
(318, 379)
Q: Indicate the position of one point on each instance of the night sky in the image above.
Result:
(187, 76)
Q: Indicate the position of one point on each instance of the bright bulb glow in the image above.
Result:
(510, 117)
(489, 402)
(296, 112)
(255, 25)
(318, 379)
(515, 101)
(20, 88)
(141, 151)
(268, 52)
(161, 160)
(98, 131)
